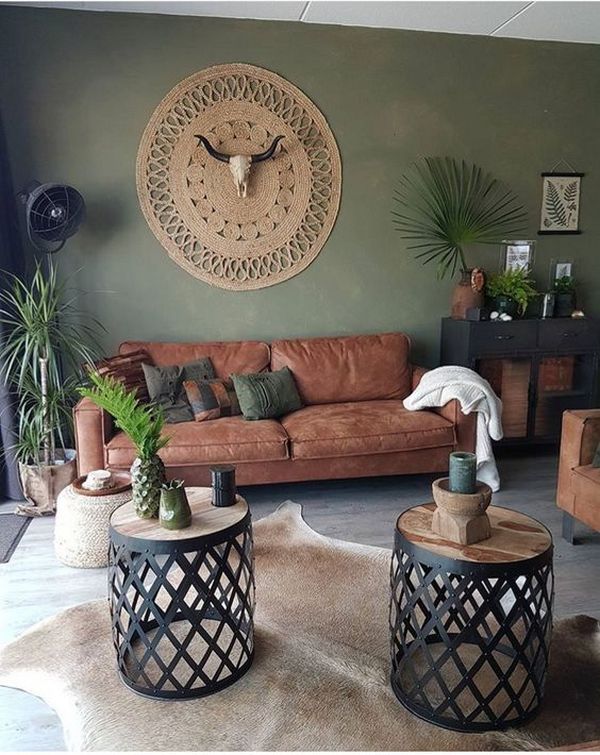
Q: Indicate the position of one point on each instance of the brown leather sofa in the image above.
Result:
(578, 492)
(353, 423)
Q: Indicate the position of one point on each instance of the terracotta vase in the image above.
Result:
(466, 295)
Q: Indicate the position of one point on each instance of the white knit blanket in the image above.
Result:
(474, 394)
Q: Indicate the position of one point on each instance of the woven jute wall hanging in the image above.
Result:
(190, 199)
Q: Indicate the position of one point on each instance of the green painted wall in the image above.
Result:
(77, 89)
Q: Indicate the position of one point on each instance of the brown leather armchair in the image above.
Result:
(578, 492)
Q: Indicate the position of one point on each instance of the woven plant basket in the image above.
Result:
(81, 531)
(42, 484)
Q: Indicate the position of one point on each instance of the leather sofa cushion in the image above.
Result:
(224, 440)
(353, 368)
(227, 356)
(366, 427)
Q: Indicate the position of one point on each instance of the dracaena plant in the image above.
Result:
(46, 338)
(444, 205)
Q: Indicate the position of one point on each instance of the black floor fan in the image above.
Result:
(53, 213)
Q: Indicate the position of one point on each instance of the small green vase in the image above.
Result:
(174, 512)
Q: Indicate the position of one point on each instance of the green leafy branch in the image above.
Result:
(516, 284)
(142, 423)
(445, 204)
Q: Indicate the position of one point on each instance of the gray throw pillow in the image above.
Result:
(267, 394)
(165, 386)
(596, 459)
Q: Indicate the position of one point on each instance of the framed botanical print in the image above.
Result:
(517, 255)
(560, 203)
(563, 270)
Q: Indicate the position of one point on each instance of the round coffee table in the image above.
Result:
(471, 624)
(182, 601)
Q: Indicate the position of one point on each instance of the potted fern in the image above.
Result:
(511, 292)
(46, 337)
(564, 292)
(446, 205)
(143, 424)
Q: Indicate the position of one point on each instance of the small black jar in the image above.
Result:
(223, 485)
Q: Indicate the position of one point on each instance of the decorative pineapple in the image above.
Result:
(142, 423)
(147, 477)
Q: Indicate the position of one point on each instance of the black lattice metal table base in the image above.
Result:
(469, 639)
(182, 607)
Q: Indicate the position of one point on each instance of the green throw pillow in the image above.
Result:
(596, 460)
(267, 394)
(165, 386)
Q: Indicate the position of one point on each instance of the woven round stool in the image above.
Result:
(82, 522)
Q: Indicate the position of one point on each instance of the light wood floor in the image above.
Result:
(33, 585)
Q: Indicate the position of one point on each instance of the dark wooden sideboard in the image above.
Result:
(539, 368)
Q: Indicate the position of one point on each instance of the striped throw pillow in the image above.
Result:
(211, 399)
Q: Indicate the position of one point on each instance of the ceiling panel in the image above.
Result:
(459, 17)
(558, 21)
(566, 22)
(272, 11)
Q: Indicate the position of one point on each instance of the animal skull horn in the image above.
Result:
(239, 165)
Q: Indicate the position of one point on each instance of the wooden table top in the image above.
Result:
(206, 518)
(515, 536)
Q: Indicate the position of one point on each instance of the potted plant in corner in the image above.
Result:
(445, 205)
(564, 292)
(143, 424)
(511, 292)
(45, 339)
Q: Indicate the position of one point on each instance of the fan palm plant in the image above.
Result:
(46, 337)
(143, 424)
(445, 204)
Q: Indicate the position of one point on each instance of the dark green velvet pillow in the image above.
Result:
(165, 386)
(267, 394)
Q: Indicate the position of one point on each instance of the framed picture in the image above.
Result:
(517, 255)
(562, 270)
(560, 203)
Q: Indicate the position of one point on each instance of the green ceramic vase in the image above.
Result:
(174, 511)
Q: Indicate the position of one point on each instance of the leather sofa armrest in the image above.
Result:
(465, 425)
(579, 439)
(417, 374)
(93, 428)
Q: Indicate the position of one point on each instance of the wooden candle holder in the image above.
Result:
(461, 517)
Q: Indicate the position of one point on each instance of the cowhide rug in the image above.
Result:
(320, 675)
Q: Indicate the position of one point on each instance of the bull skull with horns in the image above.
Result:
(239, 165)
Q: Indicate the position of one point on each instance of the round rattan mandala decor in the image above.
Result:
(190, 201)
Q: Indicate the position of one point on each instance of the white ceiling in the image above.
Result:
(558, 21)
